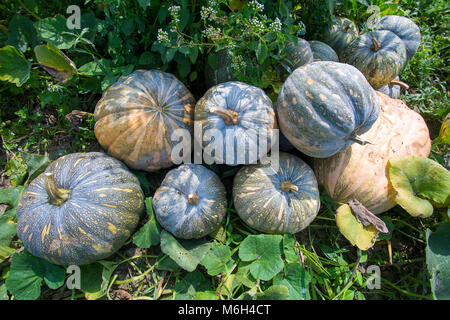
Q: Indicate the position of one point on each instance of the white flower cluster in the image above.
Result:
(276, 25)
(174, 10)
(163, 36)
(238, 64)
(256, 6)
(207, 13)
(211, 32)
(256, 25)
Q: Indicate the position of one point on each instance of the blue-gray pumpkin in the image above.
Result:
(191, 201)
(322, 52)
(137, 115)
(379, 55)
(405, 29)
(324, 106)
(277, 199)
(237, 121)
(81, 209)
(298, 54)
(339, 33)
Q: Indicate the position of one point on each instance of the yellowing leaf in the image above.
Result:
(14, 67)
(55, 62)
(444, 134)
(354, 231)
(419, 183)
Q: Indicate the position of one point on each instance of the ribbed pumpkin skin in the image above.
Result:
(339, 33)
(261, 202)
(190, 220)
(223, 73)
(103, 210)
(256, 116)
(137, 115)
(299, 54)
(406, 30)
(379, 67)
(323, 105)
(360, 171)
(323, 52)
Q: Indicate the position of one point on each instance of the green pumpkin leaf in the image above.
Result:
(354, 231)
(21, 33)
(27, 274)
(150, 233)
(55, 62)
(296, 279)
(36, 164)
(264, 251)
(191, 285)
(419, 183)
(91, 280)
(166, 263)
(218, 260)
(7, 230)
(438, 260)
(186, 253)
(54, 29)
(11, 196)
(288, 248)
(444, 133)
(276, 292)
(5, 252)
(14, 67)
(16, 170)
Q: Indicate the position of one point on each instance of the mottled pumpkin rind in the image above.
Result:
(322, 52)
(340, 33)
(360, 171)
(104, 207)
(379, 67)
(322, 106)
(137, 115)
(263, 205)
(299, 54)
(190, 220)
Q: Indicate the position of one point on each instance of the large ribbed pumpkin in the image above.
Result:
(339, 33)
(137, 115)
(298, 54)
(191, 201)
(235, 118)
(379, 55)
(81, 209)
(324, 106)
(360, 171)
(277, 200)
(322, 52)
(405, 29)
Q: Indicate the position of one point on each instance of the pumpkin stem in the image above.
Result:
(375, 45)
(56, 196)
(398, 83)
(193, 198)
(230, 117)
(287, 186)
(346, 28)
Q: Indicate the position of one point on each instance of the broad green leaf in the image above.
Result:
(218, 260)
(150, 233)
(3, 292)
(240, 278)
(191, 285)
(54, 29)
(16, 170)
(7, 230)
(264, 251)
(14, 67)
(416, 181)
(438, 260)
(36, 164)
(353, 230)
(91, 280)
(186, 253)
(21, 33)
(55, 62)
(296, 279)
(275, 292)
(288, 248)
(11, 196)
(166, 263)
(444, 133)
(261, 52)
(5, 252)
(27, 274)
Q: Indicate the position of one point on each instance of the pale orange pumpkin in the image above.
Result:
(360, 171)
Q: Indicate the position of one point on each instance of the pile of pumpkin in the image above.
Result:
(86, 205)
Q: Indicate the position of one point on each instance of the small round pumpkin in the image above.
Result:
(136, 116)
(360, 171)
(191, 201)
(379, 55)
(323, 52)
(298, 55)
(235, 118)
(81, 209)
(339, 33)
(277, 200)
(405, 29)
(323, 107)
